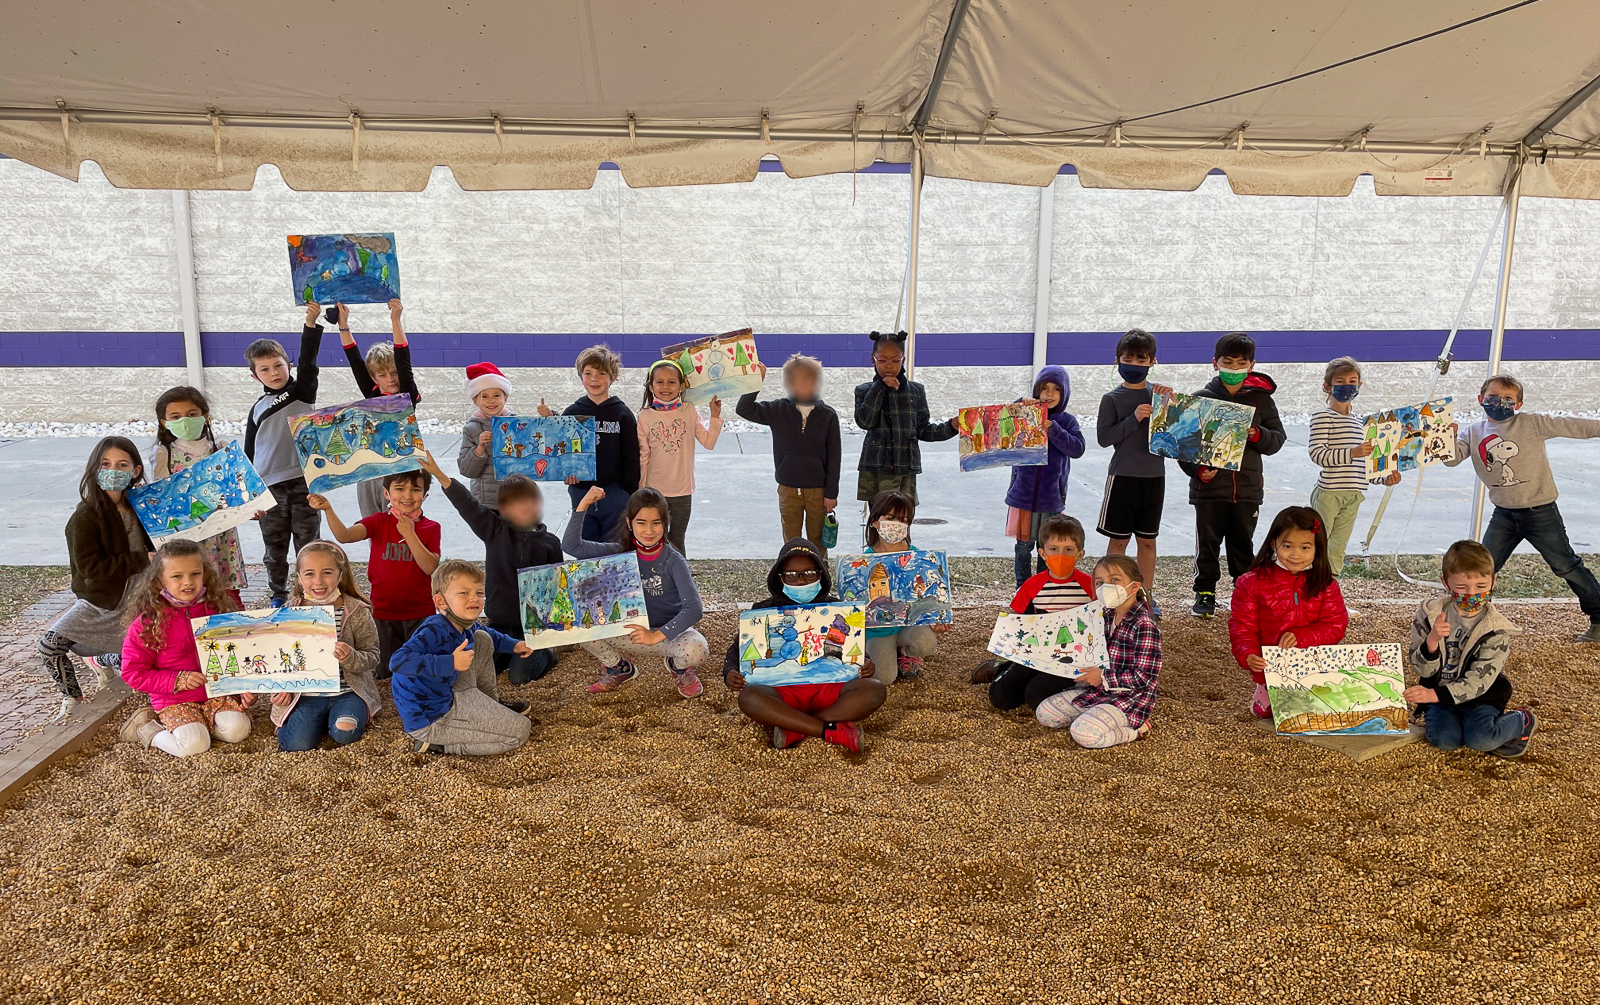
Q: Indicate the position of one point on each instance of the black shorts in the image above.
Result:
(1132, 507)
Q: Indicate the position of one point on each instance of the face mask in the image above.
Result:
(113, 479)
(1112, 594)
(1233, 378)
(174, 601)
(893, 531)
(1133, 374)
(1499, 409)
(803, 593)
(663, 406)
(1345, 392)
(187, 428)
(1470, 604)
(1060, 566)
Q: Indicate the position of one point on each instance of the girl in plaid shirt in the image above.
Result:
(1112, 705)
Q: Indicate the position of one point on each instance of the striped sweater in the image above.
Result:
(1333, 436)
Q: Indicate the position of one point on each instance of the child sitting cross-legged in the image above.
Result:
(1061, 586)
(896, 652)
(444, 679)
(832, 711)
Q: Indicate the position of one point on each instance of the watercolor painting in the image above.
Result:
(1405, 439)
(351, 443)
(213, 494)
(1002, 436)
(1338, 689)
(545, 449)
(1063, 643)
(900, 588)
(581, 601)
(348, 268)
(722, 366)
(269, 650)
(817, 644)
(1203, 431)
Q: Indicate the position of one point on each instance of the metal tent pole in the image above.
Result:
(188, 299)
(911, 259)
(1041, 290)
(1497, 337)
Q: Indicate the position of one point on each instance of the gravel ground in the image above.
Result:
(21, 586)
(647, 849)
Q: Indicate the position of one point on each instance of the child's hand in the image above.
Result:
(1256, 663)
(283, 699)
(1287, 641)
(1365, 450)
(1143, 411)
(1416, 694)
(341, 651)
(1160, 390)
(462, 657)
(246, 700)
(1093, 676)
(403, 521)
(645, 636)
(1254, 435)
(830, 504)
(594, 495)
(544, 410)
(344, 316)
(1393, 479)
(394, 310)
(188, 680)
(867, 669)
(523, 649)
(258, 514)
(716, 408)
(312, 310)
(485, 441)
(761, 368)
(736, 681)
(1206, 474)
(892, 383)
(315, 500)
(1441, 629)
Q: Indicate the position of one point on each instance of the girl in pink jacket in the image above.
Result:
(159, 657)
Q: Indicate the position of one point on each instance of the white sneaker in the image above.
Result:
(140, 728)
(107, 670)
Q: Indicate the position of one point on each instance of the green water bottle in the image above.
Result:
(830, 532)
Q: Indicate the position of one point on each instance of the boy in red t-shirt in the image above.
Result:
(405, 551)
(1061, 586)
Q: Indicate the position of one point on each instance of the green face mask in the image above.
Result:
(1233, 378)
(187, 428)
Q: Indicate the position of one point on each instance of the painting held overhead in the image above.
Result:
(1408, 438)
(898, 588)
(1009, 435)
(817, 644)
(1205, 431)
(1064, 643)
(722, 366)
(287, 649)
(546, 449)
(1337, 689)
(343, 268)
(345, 444)
(581, 601)
(213, 494)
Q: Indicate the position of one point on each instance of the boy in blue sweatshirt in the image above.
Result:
(444, 680)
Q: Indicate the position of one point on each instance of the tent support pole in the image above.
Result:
(188, 298)
(1044, 270)
(911, 260)
(1497, 337)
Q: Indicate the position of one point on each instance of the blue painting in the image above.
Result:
(268, 651)
(345, 444)
(899, 588)
(581, 601)
(723, 366)
(1002, 436)
(343, 268)
(548, 449)
(213, 494)
(818, 644)
(1205, 431)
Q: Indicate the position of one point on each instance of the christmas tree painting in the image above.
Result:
(561, 614)
(751, 652)
(233, 659)
(740, 357)
(616, 611)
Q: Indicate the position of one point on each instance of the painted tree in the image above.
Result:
(232, 666)
(561, 608)
(213, 661)
(588, 618)
(336, 450)
(616, 611)
(854, 655)
(751, 653)
(740, 357)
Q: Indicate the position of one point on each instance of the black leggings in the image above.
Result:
(1016, 685)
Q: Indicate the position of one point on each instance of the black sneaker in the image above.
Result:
(1517, 747)
(519, 707)
(1205, 605)
(1592, 635)
(423, 747)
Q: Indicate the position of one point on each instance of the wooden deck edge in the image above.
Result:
(34, 756)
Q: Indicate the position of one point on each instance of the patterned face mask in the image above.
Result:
(1344, 392)
(1470, 604)
(1499, 409)
(893, 531)
(113, 479)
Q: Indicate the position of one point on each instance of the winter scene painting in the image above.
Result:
(723, 366)
(343, 268)
(1063, 643)
(1203, 431)
(212, 495)
(1338, 689)
(544, 449)
(351, 443)
(581, 600)
(269, 650)
(899, 588)
(1405, 439)
(1001, 436)
(818, 644)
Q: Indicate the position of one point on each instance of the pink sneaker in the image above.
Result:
(1261, 703)
(612, 678)
(688, 684)
(908, 667)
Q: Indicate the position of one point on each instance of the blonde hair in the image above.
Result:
(1504, 380)
(800, 361)
(380, 358)
(451, 568)
(601, 358)
(1338, 367)
(341, 562)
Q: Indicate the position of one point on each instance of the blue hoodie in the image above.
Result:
(425, 670)
(1042, 488)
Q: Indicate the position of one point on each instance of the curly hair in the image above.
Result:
(148, 605)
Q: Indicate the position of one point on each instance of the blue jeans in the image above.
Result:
(600, 520)
(521, 669)
(315, 715)
(1026, 558)
(1542, 527)
(1481, 727)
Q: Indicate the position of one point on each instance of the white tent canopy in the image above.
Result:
(1430, 97)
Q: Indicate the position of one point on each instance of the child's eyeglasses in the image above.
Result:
(794, 577)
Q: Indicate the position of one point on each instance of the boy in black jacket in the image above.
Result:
(513, 539)
(805, 446)
(616, 442)
(1226, 503)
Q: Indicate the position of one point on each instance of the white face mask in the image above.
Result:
(1112, 594)
(893, 531)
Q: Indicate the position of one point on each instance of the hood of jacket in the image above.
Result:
(1257, 381)
(798, 546)
(1058, 376)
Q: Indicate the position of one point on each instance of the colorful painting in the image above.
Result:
(722, 366)
(899, 588)
(1405, 439)
(343, 268)
(351, 443)
(1337, 689)
(1204, 431)
(213, 494)
(819, 644)
(269, 650)
(1002, 436)
(545, 449)
(1063, 643)
(581, 601)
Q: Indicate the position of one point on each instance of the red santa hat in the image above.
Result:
(483, 376)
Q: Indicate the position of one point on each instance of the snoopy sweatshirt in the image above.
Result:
(1510, 457)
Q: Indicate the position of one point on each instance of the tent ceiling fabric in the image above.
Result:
(1040, 81)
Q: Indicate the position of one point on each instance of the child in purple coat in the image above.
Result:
(1039, 490)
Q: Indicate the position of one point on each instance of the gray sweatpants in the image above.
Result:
(477, 724)
(916, 640)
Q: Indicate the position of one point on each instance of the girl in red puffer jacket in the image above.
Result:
(1288, 599)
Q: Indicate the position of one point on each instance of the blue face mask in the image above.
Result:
(113, 479)
(803, 594)
(1345, 392)
(1132, 373)
(1499, 409)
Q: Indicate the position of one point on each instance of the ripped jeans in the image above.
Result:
(340, 716)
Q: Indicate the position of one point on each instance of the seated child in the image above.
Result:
(323, 577)
(672, 603)
(514, 537)
(796, 711)
(384, 369)
(488, 388)
(896, 653)
(805, 446)
(1287, 599)
(1062, 585)
(444, 679)
(1458, 649)
(1111, 705)
(160, 658)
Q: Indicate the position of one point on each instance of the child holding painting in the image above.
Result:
(672, 603)
(669, 427)
(385, 368)
(896, 653)
(1060, 587)
(1136, 479)
(893, 412)
(1038, 491)
(183, 436)
(616, 443)
(805, 447)
(1338, 446)
(489, 390)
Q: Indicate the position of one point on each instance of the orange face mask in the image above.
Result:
(1061, 566)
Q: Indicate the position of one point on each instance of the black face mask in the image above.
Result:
(1133, 373)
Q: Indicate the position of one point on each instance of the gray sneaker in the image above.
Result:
(1592, 635)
